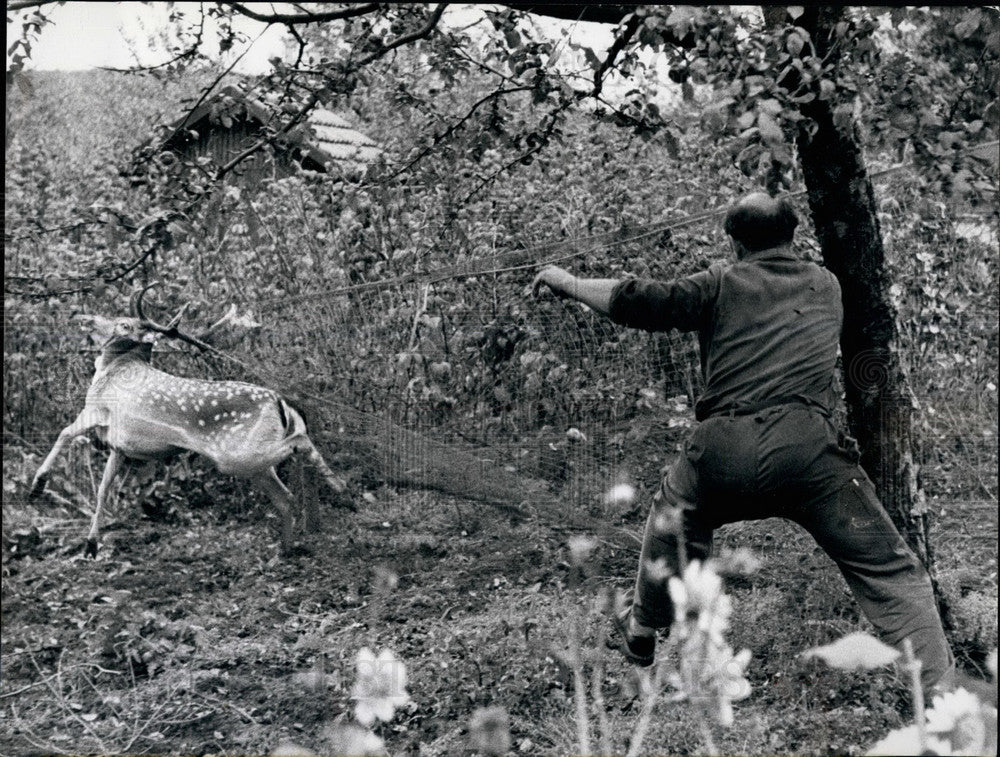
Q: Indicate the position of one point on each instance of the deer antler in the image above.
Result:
(171, 328)
(207, 334)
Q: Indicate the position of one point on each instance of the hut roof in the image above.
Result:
(325, 141)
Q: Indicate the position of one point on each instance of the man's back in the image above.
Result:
(773, 332)
(768, 327)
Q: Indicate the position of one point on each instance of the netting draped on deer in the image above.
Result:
(470, 386)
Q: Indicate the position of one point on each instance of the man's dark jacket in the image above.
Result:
(768, 326)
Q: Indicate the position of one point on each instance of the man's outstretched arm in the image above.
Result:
(595, 293)
(640, 303)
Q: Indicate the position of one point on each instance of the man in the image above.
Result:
(768, 328)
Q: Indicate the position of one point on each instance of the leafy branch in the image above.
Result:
(306, 17)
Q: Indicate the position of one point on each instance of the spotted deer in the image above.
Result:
(142, 413)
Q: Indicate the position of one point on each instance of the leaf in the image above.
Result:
(770, 106)
(795, 11)
(681, 19)
(854, 651)
(24, 84)
(289, 749)
(826, 89)
(901, 741)
(794, 44)
(969, 24)
(770, 132)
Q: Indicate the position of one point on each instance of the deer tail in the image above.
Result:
(295, 428)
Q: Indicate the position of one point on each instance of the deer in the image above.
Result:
(143, 414)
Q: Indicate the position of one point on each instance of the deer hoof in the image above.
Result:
(90, 548)
(37, 487)
(297, 550)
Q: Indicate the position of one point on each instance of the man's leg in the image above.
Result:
(886, 578)
(676, 532)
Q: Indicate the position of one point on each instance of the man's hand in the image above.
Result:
(561, 282)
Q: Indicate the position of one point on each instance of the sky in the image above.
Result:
(86, 35)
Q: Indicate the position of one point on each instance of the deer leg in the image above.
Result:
(115, 460)
(282, 500)
(85, 421)
(335, 482)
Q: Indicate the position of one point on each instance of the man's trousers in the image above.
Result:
(789, 461)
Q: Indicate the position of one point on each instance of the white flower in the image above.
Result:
(714, 620)
(620, 494)
(352, 740)
(730, 674)
(379, 686)
(658, 571)
(738, 562)
(961, 718)
(580, 548)
(699, 591)
(489, 730)
(667, 521)
(905, 741)
(949, 708)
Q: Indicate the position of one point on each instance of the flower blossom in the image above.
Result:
(658, 571)
(620, 494)
(489, 730)
(958, 716)
(379, 686)
(699, 596)
(580, 549)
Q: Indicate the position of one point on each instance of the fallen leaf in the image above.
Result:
(854, 651)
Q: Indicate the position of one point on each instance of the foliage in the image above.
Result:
(958, 721)
(482, 182)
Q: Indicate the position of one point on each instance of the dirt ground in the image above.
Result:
(190, 636)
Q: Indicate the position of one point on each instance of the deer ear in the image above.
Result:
(97, 326)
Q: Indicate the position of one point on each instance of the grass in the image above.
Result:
(191, 637)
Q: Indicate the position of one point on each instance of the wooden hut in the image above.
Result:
(226, 125)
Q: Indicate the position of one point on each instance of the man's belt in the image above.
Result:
(755, 407)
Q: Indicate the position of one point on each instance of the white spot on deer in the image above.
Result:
(201, 422)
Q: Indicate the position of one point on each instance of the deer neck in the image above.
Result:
(120, 352)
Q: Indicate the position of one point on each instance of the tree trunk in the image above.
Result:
(879, 402)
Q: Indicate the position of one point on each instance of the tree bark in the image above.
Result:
(842, 202)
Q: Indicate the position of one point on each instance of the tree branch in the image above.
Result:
(190, 52)
(301, 18)
(406, 39)
(602, 13)
(631, 27)
(311, 103)
(457, 125)
(20, 5)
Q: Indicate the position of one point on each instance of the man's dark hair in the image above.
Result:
(759, 222)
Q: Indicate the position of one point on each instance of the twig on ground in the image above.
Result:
(646, 715)
(60, 699)
(604, 727)
(54, 675)
(235, 708)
